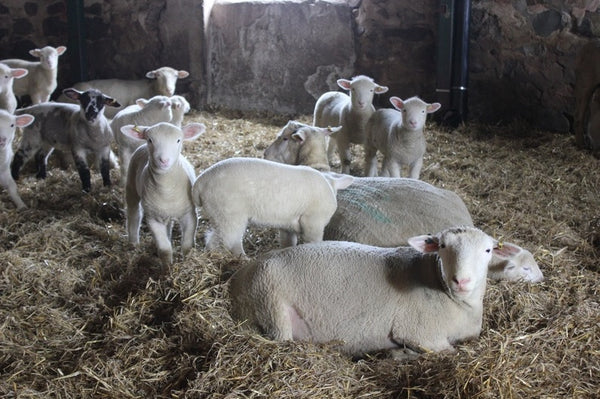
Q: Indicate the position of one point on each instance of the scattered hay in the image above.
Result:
(85, 314)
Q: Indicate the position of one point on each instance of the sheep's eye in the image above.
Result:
(150, 141)
(284, 138)
(12, 125)
(423, 111)
(488, 250)
(443, 246)
(178, 141)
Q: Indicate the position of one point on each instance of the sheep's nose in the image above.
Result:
(462, 283)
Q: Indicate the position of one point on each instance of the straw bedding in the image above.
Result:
(85, 314)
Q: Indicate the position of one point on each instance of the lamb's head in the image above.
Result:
(8, 74)
(166, 79)
(48, 56)
(162, 105)
(513, 263)
(295, 139)
(362, 89)
(164, 141)
(92, 102)
(414, 111)
(464, 252)
(179, 102)
(8, 124)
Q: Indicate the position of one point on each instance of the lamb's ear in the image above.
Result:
(111, 101)
(299, 136)
(182, 74)
(24, 120)
(344, 84)
(193, 130)
(425, 243)
(381, 89)
(72, 93)
(506, 250)
(431, 108)
(329, 130)
(397, 103)
(18, 73)
(136, 132)
(61, 49)
(141, 102)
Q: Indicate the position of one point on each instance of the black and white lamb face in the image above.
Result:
(92, 102)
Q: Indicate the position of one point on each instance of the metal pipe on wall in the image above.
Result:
(76, 44)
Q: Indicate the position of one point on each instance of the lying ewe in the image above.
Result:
(301, 144)
(399, 136)
(351, 112)
(296, 199)
(78, 129)
(40, 82)
(8, 125)
(159, 185)
(587, 80)
(8, 101)
(160, 81)
(143, 113)
(424, 298)
(179, 107)
(387, 211)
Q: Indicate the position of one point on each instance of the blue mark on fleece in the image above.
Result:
(357, 197)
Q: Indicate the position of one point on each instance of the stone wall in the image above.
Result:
(279, 57)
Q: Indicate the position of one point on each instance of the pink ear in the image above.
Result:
(61, 49)
(506, 250)
(433, 107)
(182, 74)
(424, 243)
(137, 132)
(344, 84)
(397, 103)
(19, 72)
(24, 120)
(193, 130)
(381, 89)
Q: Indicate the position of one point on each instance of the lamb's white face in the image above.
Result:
(166, 79)
(165, 142)
(414, 114)
(6, 77)
(49, 57)
(465, 255)
(7, 129)
(285, 149)
(361, 92)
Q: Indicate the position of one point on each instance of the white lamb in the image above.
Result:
(161, 81)
(143, 113)
(236, 191)
(159, 185)
(179, 106)
(424, 298)
(399, 137)
(40, 82)
(8, 101)
(351, 112)
(8, 124)
(387, 211)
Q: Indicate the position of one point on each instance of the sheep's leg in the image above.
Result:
(312, 228)
(345, 155)
(188, 223)
(232, 234)
(84, 171)
(287, 238)
(391, 168)
(7, 181)
(415, 169)
(370, 161)
(134, 214)
(105, 167)
(331, 147)
(17, 164)
(41, 163)
(161, 238)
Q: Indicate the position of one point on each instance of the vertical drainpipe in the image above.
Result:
(76, 42)
(454, 29)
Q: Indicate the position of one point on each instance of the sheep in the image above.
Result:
(301, 144)
(587, 80)
(8, 101)
(40, 82)
(351, 112)
(160, 81)
(159, 186)
(179, 107)
(425, 297)
(295, 199)
(399, 136)
(8, 124)
(144, 112)
(387, 211)
(78, 129)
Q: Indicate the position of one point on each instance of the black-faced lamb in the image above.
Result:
(77, 129)
(424, 298)
(351, 112)
(8, 124)
(296, 199)
(387, 211)
(40, 82)
(8, 101)
(161, 81)
(142, 113)
(159, 186)
(398, 134)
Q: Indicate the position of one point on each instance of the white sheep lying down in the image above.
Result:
(8, 124)
(239, 191)
(387, 211)
(159, 185)
(424, 298)
(161, 81)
